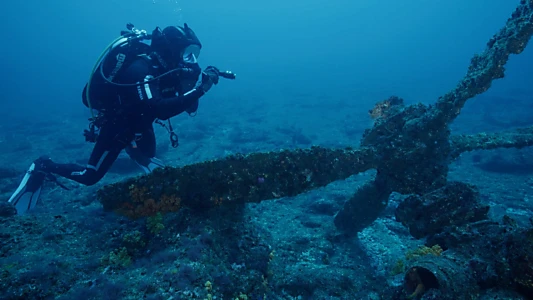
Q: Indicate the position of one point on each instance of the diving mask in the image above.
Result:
(191, 53)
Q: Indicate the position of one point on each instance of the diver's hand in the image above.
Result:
(210, 76)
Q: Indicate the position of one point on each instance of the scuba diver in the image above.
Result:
(138, 80)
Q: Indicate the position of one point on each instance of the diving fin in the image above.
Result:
(29, 190)
(147, 164)
(150, 164)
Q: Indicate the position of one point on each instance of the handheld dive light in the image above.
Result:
(227, 75)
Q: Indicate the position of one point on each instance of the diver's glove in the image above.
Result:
(210, 76)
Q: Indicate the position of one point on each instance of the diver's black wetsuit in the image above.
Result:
(131, 126)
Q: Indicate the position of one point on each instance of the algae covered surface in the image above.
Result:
(415, 210)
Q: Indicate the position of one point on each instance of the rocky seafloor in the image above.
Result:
(286, 248)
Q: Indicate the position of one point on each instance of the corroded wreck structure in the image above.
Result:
(411, 148)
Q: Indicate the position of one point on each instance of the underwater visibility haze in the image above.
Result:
(266, 150)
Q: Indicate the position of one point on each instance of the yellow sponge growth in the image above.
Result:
(422, 251)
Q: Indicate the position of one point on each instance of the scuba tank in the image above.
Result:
(116, 57)
(100, 92)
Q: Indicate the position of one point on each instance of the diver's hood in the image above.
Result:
(176, 44)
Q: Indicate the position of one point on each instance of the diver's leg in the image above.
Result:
(144, 152)
(108, 146)
(105, 152)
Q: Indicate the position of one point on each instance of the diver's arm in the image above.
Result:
(165, 108)
(161, 107)
(150, 93)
